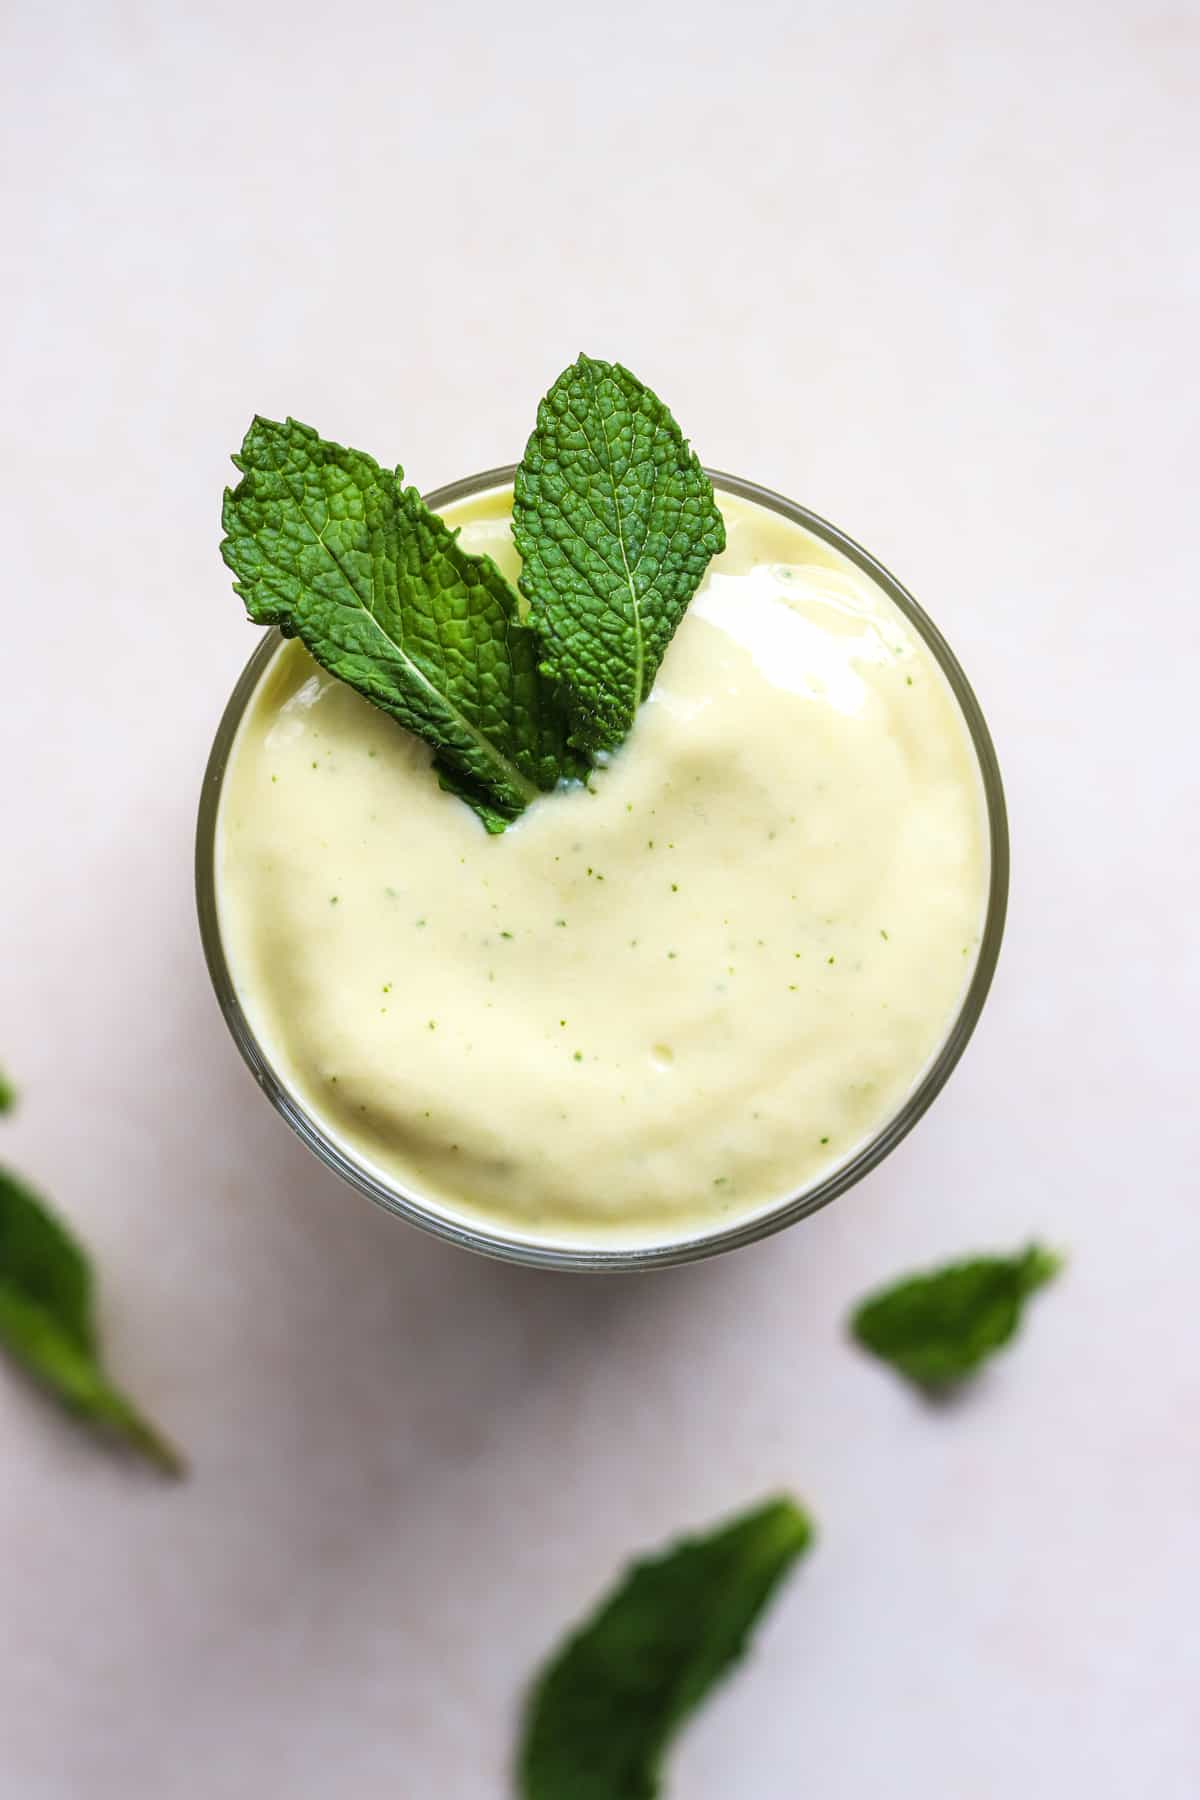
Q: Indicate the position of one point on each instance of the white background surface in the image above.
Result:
(930, 268)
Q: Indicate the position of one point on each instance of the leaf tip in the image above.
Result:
(1042, 1265)
(152, 1445)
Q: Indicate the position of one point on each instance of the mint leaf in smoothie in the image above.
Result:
(47, 1323)
(616, 523)
(604, 1709)
(335, 550)
(937, 1328)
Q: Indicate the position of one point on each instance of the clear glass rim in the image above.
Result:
(495, 1242)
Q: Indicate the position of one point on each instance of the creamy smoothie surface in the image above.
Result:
(655, 1005)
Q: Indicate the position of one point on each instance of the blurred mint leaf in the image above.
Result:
(8, 1093)
(335, 550)
(616, 522)
(42, 1264)
(937, 1328)
(604, 1709)
(47, 1322)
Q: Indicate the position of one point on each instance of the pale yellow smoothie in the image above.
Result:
(654, 1006)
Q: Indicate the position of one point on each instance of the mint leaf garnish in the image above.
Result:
(335, 550)
(616, 523)
(8, 1093)
(603, 1711)
(937, 1328)
(47, 1322)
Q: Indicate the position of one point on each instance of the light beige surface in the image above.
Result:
(659, 1003)
(930, 269)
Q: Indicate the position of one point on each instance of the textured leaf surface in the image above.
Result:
(937, 1328)
(616, 523)
(338, 552)
(46, 1321)
(603, 1711)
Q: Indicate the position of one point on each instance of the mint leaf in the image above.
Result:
(937, 1328)
(604, 1709)
(616, 523)
(336, 551)
(40, 1261)
(47, 1322)
(8, 1093)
